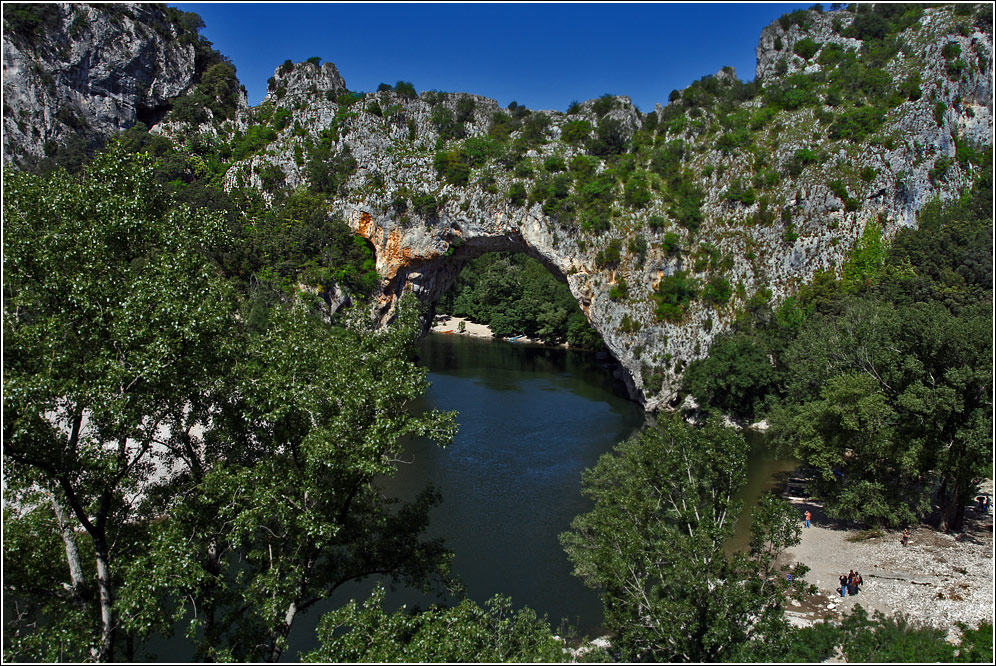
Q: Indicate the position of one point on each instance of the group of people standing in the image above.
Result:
(850, 583)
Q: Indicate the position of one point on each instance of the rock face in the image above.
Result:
(303, 81)
(802, 215)
(88, 71)
(424, 229)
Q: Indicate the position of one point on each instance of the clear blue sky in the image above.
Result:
(542, 55)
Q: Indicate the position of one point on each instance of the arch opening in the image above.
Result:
(517, 296)
(426, 260)
(537, 306)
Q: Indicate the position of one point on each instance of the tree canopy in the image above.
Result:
(220, 472)
(664, 505)
(881, 382)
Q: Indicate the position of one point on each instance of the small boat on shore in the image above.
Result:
(514, 338)
(448, 331)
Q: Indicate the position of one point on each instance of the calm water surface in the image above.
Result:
(531, 420)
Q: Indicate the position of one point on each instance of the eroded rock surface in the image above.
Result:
(422, 248)
(87, 72)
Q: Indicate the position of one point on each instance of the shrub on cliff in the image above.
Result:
(806, 48)
(673, 295)
(30, 21)
(446, 124)
(405, 89)
(610, 255)
(517, 193)
(453, 166)
(609, 139)
(328, 171)
(575, 132)
(221, 87)
(685, 199)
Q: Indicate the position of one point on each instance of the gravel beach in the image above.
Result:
(937, 579)
(448, 324)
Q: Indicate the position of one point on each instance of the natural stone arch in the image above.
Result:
(425, 257)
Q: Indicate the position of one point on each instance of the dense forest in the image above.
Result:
(192, 437)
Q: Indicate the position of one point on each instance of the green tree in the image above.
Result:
(494, 634)
(893, 405)
(664, 506)
(157, 435)
(575, 132)
(610, 138)
(453, 166)
(673, 295)
(735, 378)
(516, 294)
(328, 171)
(292, 507)
(806, 48)
(220, 86)
(685, 204)
(446, 124)
(864, 264)
(517, 193)
(111, 313)
(610, 255)
(637, 192)
(717, 290)
(405, 89)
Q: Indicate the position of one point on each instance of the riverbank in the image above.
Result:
(459, 326)
(449, 325)
(937, 579)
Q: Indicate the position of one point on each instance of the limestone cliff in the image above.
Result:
(664, 225)
(87, 71)
(806, 213)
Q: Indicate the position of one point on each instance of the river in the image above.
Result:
(531, 418)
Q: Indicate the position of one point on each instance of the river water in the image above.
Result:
(531, 420)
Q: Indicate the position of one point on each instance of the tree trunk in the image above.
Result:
(275, 646)
(107, 627)
(213, 567)
(72, 549)
(952, 509)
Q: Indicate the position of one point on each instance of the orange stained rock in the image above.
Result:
(365, 226)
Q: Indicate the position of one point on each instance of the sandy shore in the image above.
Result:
(937, 579)
(447, 324)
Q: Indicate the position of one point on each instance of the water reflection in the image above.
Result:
(531, 420)
(766, 471)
